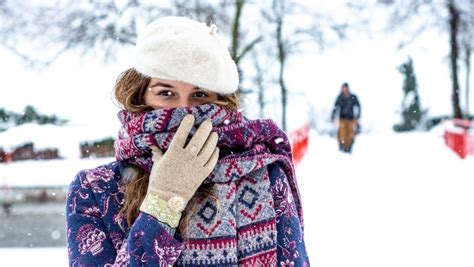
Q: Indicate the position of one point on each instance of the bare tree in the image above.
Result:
(448, 15)
(95, 26)
(260, 83)
(201, 10)
(12, 19)
(454, 55)
(287, 40)
(238, 53)
(103, 27)
(279, 8)
(467, 45)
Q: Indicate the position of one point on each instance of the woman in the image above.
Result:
(223, 194)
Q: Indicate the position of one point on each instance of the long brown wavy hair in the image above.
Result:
(130, 89)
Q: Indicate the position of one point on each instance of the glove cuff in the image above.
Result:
(168, 212)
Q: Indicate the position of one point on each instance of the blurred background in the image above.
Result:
(403, 197)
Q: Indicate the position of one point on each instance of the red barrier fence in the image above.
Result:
(459, 136)
(299, 139)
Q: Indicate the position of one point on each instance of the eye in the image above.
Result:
(165, 93)
(200, 95)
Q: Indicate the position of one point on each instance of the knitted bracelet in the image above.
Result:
(165, 211)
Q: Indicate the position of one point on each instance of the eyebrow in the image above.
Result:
(162, 85)
(170, 86)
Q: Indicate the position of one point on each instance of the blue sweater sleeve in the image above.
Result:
(90, 243)
(291, 249)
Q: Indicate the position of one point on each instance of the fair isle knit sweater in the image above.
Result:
(258, 221)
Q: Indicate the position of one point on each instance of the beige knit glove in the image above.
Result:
(176, 174)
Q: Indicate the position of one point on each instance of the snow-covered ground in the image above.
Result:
(30, 173)
(398, 200)
(33, 257)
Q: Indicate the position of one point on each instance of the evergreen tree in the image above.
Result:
(411, 109)
(29, 115)
(4, 119)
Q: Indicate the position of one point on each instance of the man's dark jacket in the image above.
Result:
(347, 106)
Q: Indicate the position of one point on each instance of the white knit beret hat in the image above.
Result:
(181, 49)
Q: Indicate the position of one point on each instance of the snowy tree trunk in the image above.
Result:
(281, 80)
(453, 40)
(239, 4)
(260, 85)
(468, 74)
(468, 46)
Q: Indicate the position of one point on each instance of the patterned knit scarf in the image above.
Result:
(242, 225)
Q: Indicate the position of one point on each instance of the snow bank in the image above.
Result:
(30, 173)
(66, 138)
(398, 200)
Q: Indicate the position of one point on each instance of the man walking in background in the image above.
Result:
(347, 107)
